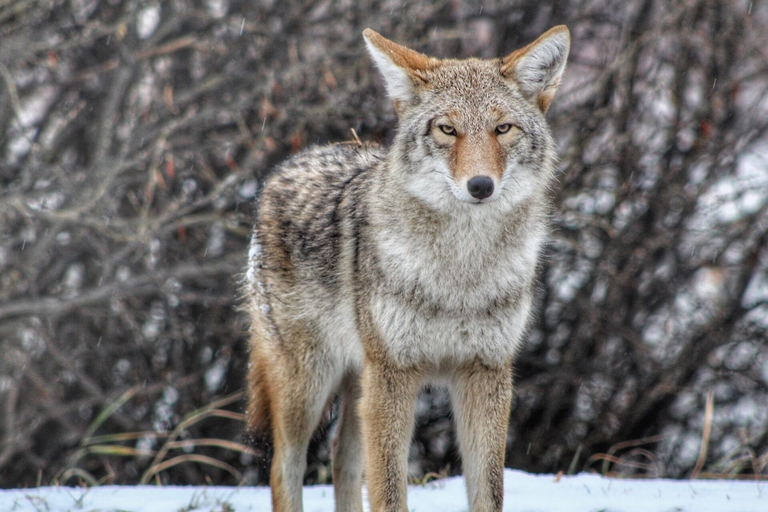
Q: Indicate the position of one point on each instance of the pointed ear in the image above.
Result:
(404, 70)
(538, 67)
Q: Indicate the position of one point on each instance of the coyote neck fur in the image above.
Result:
(443, 276)
(461, 244)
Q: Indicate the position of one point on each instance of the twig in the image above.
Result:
(609, 457)
(138, 286)
(169, 47)
(709, 413)
(12, 92)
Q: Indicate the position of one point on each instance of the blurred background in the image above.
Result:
(134, 136)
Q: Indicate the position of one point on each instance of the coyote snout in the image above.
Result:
(367, 277)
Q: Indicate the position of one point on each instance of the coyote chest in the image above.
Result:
(453, 290)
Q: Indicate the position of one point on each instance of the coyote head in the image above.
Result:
(473, 130)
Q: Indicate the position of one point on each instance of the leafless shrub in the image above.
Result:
(133, 138)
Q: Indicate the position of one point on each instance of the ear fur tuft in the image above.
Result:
(402, 68)
(538, 68)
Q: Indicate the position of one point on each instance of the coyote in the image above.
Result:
(372, 272)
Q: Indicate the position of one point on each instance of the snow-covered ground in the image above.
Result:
(524, 493)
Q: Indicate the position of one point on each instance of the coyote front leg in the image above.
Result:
(387, 408)
(481, 399)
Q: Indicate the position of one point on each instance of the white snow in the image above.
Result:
(523, 493)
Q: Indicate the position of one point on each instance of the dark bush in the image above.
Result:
(134, 136)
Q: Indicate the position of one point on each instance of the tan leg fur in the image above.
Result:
(481, 397)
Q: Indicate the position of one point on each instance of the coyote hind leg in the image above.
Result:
(299, 386)
(348, 449)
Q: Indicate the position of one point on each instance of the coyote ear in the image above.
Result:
(538, 67)
(403, 69)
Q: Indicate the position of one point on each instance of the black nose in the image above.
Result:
(480, 187)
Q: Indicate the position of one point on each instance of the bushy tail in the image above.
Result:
(258, 421)
(258, 416)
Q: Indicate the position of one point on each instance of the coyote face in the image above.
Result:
(374, 271)
(472, 129)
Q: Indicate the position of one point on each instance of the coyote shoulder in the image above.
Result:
(374, 271)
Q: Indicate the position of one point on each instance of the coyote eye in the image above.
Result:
(503, 128)
(447, 129)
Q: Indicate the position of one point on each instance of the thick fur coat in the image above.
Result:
(374, 271)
